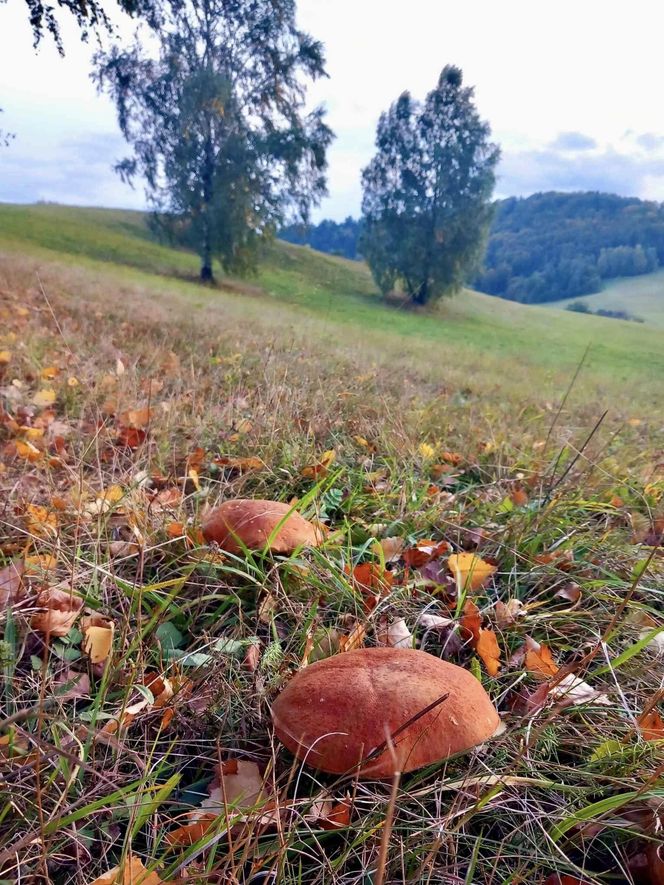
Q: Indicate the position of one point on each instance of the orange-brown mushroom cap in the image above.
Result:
(247, 523)
(336, 714)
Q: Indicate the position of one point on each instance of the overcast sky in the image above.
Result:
(571, 88)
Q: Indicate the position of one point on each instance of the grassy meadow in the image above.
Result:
(138, 664)
(641, 297)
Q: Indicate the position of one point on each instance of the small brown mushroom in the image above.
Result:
(255, 524)
(340, 714)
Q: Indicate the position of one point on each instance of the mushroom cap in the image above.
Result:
(244, 522)
(334, 713)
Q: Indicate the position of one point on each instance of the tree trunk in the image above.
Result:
(206, 272)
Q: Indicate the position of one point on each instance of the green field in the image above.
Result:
(491, 467)
(642, 297)
(495, 344)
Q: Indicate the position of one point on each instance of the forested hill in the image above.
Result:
(552, 245)
(545, 247)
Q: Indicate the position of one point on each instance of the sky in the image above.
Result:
(571, 88)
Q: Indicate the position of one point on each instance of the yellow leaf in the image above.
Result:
(426, 450)
(49, 373)
(132, 872)
(44, 397)
(469, 570)
(489, 651)
(41, 521)
(97, 637)
(31, 432)
(5, 357)
(26, 450)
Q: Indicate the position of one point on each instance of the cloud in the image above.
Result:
(75, 170)
(573, 141)
(631, 175)
(649, 141)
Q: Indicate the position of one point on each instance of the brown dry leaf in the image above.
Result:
(569, 591)
(471, 620)
(61, 610)
(252, 658)
(132, 872)
(11, 584)
(239, 786)
(316, 471)
(391, 548)
(651, 726)
(136, 418)
(394, 635)
(519, 497)
(72, 685)
(508, 613)
(354, 639)
(171, 365)
(241, 465)
(539, 660)
(424, 552)
(331, 815)
(489, 651)
(131, 437)
(97, 637)
(469, 571)
(373, 582)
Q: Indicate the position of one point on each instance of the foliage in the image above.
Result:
(582, 307)
(426, 192)
(335, 238)
(552, 246)
(89, 15)
(217, 122)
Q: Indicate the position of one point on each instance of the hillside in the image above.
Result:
(473, 336)
(641, 297)
(481, 490)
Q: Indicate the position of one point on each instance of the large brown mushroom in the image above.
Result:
(340, 714)
(243, 523)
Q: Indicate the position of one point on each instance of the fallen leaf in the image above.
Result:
(434, 622)
(470, 572)
(424, 552)
(389, 548)
(373, 582)
(44, 397)
(471, 620)
(508, 613)
(97, 637)
(49, 373)
(5, 357)
(11, 584)
(131, 437)
(519, 497)
(539, 660)
(571, 691)
(241, 465)
(136, 418)
(61, 610)
(316, 471)
(72, 685)
(489, 651)
(354, 639)
(651, 726)
(569, 591)
(252, 658)
(331, 815)
(131, 872)
(394, 635)
(25, 449)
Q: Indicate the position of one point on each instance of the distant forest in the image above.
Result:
(542, 248)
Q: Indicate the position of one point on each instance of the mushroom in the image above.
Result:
(341, 714)
(244, 523)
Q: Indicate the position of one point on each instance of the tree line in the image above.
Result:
(211, 98)
(541, 248)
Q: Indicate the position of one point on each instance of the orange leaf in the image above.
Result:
(425, 551)
(489, 651)
(651, 726)
(471, 620)
(354, 639)
(132, 872)
(539, 659)
(131, 437)
(469, 570)
(337, 816)
(137, 418)
(189, 834)
(519, 498)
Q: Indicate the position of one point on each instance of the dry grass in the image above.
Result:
(572, 788)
